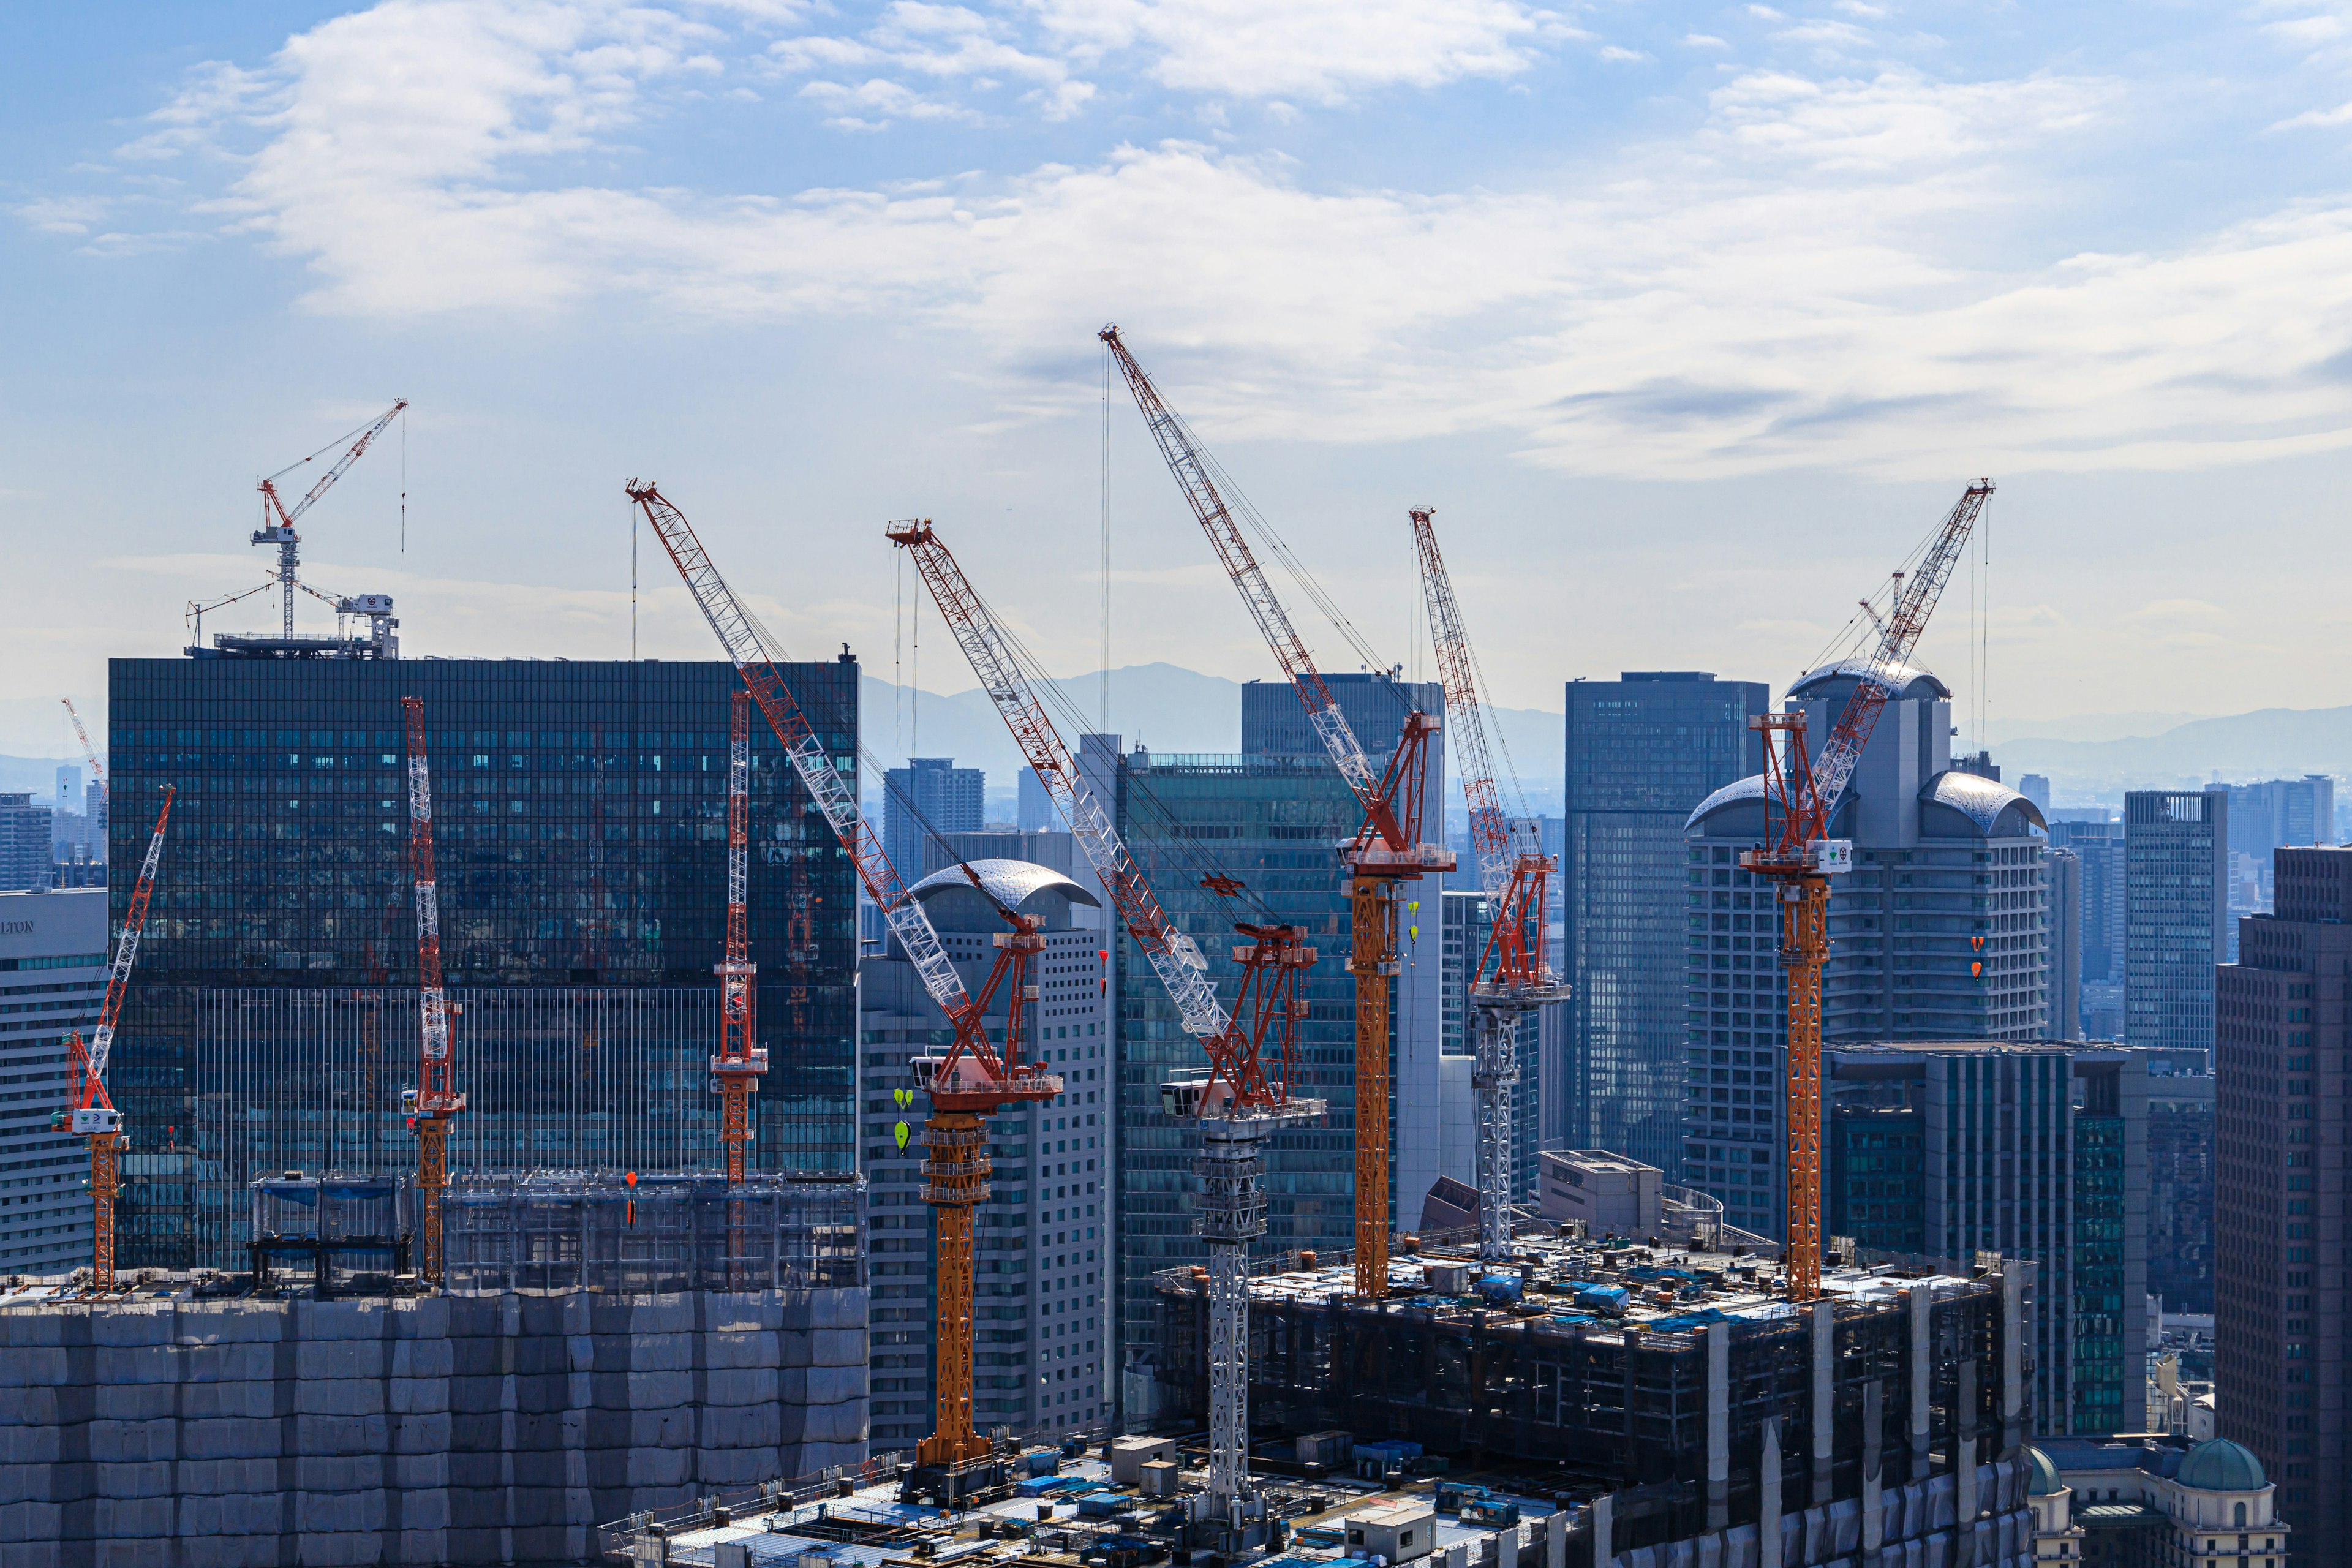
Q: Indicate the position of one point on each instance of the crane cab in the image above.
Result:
(98, 1119)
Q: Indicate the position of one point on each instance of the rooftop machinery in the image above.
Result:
(969, 1080)
(435, 1098)
(278, 521)
(92, 1113)
(1513, 879)
(1387, 850)
(1234, 1105)
(1800, 856)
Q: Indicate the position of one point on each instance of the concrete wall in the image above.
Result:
(443, 1430)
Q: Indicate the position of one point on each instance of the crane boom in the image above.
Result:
(1898, 633)
(89, 751)
(1174, 957)
(92, 1114)
(747, 649)
(1182, 454)
(289, 516)
(1489, 836)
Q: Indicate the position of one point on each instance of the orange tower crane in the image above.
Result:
(736, 1071)
(92, 1114)
(1236, 1107)
(1797, 853)
(1511, 978)
(1386, 850)
(435, 1098)
(970, 1081)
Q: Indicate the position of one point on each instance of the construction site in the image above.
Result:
(538, 1359)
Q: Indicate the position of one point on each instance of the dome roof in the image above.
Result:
(1905, 681)
(1020, 885)
(1750, 788)
(2218, 1465)
(2045, 1482)
(1983, 803)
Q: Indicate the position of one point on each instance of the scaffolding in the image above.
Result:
(549, 1232)
(354, 1231)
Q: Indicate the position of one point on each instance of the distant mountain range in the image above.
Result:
(2276, 743)
(1163, 706)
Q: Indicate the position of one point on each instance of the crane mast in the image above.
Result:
(278, 519)
(1510, 978)
(737, 1068)
(1234, 1107)
(1385, 850)
(92, 1114)
(1799, 855)
(435, 1098)
(969, 1080)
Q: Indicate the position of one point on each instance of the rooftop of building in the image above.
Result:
(1989, 810)
(1904, 682)
(972, 890)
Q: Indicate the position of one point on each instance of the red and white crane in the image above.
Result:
(435, 1098)
(92, 1113)
(1387, 850)
(89, 751)
(739, 1063)
(1799, 855)
(967, 1082)
(278, 519)
(1235, 1106)
(1510, 978)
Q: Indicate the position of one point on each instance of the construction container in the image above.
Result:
(1400, 1531)
(1333, 1449)
(1130, 1454)
(1160, 1477)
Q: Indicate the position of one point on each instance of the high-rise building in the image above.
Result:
(2035, 787)
(928, 795)
(1938, 933)
(1042, 1242)
(1469, 926)
(1642, 751)
(2280, 814)
(2282, 1085)
(580, 829)
(2065, 877)
(2036, 1151)
(2098, 848)
(26, 851)
(2176, 909)
(1269, 822)
(53, 964)
(1274, 724)
(1032, 808)
(2180, 1181)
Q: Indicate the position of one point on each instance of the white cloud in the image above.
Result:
(1703, 41)
(1320, 51)
(64, 215)
(1612, 53)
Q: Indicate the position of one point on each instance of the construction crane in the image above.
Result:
(278, 519)
(736, 1071)
(435, 1098)
(1797, 854)
(967, 1082)
(1510, 978)
(1386, 850)
(91, 1114)
(1235, 1108)
(89, 751)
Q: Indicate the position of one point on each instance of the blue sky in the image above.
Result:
(1688, 320)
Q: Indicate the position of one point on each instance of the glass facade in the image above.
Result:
(579, 835)
(1642, 752)
(2176, 914)
(1270, 821)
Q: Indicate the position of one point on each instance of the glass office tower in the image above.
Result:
(1643, 750)
(581, 826)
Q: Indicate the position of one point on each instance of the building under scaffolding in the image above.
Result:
(1658, 1379)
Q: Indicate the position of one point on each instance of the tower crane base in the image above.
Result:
(967, 1484)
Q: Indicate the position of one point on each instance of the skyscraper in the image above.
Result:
(1274, 724)
(2036, 1151)
(2280, 1090)
(1642, 751)
(580, 824)
(2098, 848)
(1268, 822)
(53, 963)
(26, 856)
(2066, 880)
(2181, 1182)
(2175, 899)
(1938, 934)
(933, 794)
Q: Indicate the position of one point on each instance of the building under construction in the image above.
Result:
(1661, 1380)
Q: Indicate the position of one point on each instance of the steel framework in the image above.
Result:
(1386, 849)
(736, 1070)
(1236, 1107)
(1520, 981)
(435, 1098)
(970, 1081)
(92, 1114)
(1800, 856)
